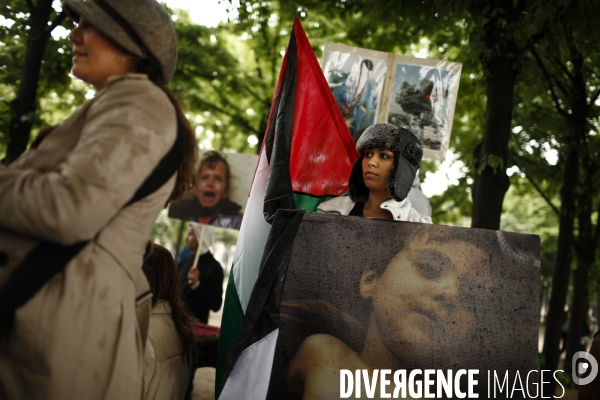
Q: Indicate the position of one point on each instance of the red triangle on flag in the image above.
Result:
(322, 151)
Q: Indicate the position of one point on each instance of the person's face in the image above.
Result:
(376, 168)
(190, 240)
(96, 58)
(212, 184)
(419, 301)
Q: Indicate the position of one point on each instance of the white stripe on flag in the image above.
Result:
(252, 371)
(254, 233)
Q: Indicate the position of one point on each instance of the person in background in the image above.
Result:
(170, 355)
(211, 204)
(200, 287)
(82, 334)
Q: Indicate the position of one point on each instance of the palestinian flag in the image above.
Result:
(306, 158)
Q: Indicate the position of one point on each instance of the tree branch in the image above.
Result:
(234, 116)
(561, 67)
(550, 82)
(535, 38)
(30, 6)
(596, 239)
(537, 187)
(255, 95)
(57, 21)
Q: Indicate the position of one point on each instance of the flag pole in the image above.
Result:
(199, 250)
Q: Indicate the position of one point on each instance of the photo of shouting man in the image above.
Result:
(210, 204)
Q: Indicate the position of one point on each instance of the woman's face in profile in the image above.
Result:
(95, 57)
(421, 294)
(376, 168)
(212, 184)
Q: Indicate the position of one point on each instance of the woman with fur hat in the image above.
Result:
(81, 203)
(382, 176)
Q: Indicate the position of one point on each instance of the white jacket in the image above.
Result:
(166, 375)
(401, 210)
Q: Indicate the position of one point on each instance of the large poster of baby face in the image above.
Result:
(365, 295)
(219, 196)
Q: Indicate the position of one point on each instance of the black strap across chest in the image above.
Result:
(47, 258)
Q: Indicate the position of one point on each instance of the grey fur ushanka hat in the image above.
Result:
(138, 26)
(408, 153)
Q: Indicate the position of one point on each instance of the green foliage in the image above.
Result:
(453, 207)
(557, 111)
(211, 84)
(54, 82)
(228, 237)
(524, 211)
(226, 81)
(165, 230)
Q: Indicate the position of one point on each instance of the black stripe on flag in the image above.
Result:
(262, 315)
(279, 194)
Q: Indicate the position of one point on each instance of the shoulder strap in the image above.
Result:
(47, 258)
(163, 171)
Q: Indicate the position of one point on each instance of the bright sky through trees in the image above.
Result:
(205, 12)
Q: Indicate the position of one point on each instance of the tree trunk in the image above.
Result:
(562, 266)
(579, 310)
(597, 308)
(585, 257)
(23, 107)
(585, 243)
(491, 185)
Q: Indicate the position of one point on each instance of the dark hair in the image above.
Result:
(185, 174)
(161, 272)
(211, 157)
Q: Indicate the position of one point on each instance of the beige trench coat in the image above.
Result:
(166, 375)
(78, 337)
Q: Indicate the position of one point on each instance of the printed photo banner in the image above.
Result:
(347, 293)
(222, 186)
(414, 93)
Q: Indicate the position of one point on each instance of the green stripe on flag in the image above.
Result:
(233, 318)
(308, 202)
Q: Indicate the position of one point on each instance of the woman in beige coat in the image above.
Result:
(82, 335)
(171, 355)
